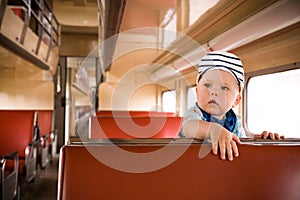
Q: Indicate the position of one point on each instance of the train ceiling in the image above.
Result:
(76, 14)
(81, 16)
(144, 13)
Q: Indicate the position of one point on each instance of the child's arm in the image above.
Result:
(221, 139)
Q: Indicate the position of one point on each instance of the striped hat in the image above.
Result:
(223, 61)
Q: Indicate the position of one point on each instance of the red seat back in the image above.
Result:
(132, 113)
(45, 121)
(260, 172)
(16, 130)
(135, 127)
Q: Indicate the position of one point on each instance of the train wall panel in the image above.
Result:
(35, 95)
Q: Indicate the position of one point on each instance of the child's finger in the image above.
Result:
(222, 147)
(272, 136)
(215, 148)
(277, 136)
(229, 150)
(234, 148)
(265, 135)
(236, 139)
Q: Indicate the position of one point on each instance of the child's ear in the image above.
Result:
(237, 100)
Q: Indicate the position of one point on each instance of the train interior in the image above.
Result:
(76, 73)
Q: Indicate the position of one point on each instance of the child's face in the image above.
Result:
(217, 92)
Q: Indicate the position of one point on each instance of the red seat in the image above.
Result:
(45, 127)
(132, 113)
(135, 127)
(45, 121)
(16, 134)
(260, 172)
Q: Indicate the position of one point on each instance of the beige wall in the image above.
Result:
(144, 98)
(26, 95)
(127, 97)
(128, 84)
(77, 44)
(23, 85)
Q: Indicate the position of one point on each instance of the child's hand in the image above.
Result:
(226, 143)
(268, 135)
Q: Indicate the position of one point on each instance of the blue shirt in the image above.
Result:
(195, 113)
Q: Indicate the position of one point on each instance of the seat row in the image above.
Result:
(133, 155)
(26, 141)
(134, 124)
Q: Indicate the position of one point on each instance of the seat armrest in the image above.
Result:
(44, 141)
(31, 150)
(9, 175)
(12, 156)
(53, 135)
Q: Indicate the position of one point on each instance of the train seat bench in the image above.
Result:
(99, 169)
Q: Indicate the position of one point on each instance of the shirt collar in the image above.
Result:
(228, 122)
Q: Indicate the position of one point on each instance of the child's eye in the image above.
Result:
(208, 85)
(224, 88)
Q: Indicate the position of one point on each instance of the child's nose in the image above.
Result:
(214, 91)
(213, 94)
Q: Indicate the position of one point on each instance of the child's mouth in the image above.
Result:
(212, 102)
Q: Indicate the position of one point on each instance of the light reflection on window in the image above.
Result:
(169, 101)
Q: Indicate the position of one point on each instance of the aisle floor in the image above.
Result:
(45, 185)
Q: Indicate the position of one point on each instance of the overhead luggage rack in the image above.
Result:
(30, 29)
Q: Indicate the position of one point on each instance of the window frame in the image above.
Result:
(186, 95)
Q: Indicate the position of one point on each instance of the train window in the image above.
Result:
(273, 103)
(169, 101)
(191, 97)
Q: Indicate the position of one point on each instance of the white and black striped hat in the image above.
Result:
(223, 61)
